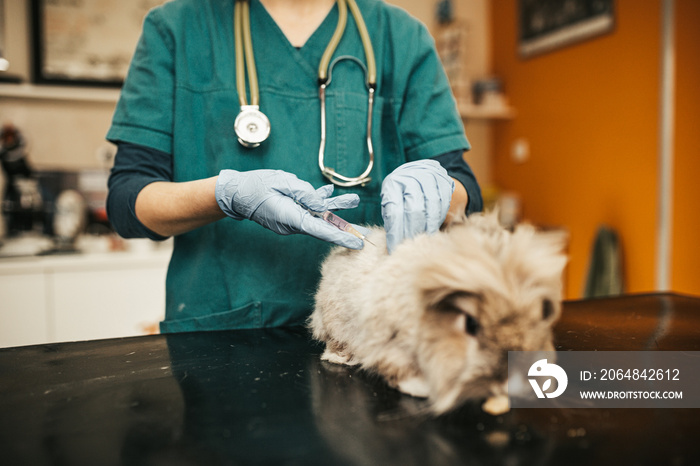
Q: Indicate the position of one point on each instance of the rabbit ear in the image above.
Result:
(552, 246)
(533, 256)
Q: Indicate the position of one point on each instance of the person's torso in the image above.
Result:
(235, 273)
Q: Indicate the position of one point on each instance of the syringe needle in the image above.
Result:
(340, 224)
(360, 235)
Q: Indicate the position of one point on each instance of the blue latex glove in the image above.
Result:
(272, 198)
(415, 199)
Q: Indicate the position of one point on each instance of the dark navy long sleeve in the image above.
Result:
(135, 166)
(458, 169)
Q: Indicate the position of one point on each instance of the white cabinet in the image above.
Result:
(122, 300)
(24, 319)
(81, 297)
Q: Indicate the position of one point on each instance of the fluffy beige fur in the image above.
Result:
(437, 317)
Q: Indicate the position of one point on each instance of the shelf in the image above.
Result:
(485, 112)
(82, 94)
(88, 94)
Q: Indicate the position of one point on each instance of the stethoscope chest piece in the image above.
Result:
(252, 126)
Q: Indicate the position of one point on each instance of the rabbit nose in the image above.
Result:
(501, 368)
(499, 388)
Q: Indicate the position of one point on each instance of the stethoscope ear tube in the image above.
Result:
(323, 65)
(366, 43)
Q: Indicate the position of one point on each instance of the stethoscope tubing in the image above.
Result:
(335, 177)
(244, 48)
(245, 61)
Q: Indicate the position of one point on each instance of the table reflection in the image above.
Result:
(265, 397)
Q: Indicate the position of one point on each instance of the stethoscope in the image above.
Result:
(253, 127)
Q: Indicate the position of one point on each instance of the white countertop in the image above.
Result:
(141, 255)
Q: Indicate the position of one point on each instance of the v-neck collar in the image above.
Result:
(309, 54)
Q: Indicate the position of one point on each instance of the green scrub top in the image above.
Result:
(180, 98)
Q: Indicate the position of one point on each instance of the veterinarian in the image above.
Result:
(184, 169)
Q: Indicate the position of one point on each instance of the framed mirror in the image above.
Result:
(546, 25)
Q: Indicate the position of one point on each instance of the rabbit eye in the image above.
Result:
(547, 309)
(471, 326)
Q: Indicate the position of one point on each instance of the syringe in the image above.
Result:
(340, 224)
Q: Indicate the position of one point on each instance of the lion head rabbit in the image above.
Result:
(437, 317)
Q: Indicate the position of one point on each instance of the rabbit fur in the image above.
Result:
(437, 317)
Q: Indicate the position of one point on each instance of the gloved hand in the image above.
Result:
(415, 199)
(272, 197)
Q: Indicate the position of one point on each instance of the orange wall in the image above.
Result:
(590, 114)
(685, 269)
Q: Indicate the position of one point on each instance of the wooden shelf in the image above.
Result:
(82, 94)
(485, 112)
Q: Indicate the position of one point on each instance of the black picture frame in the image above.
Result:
(547, 25)
(63, 54)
